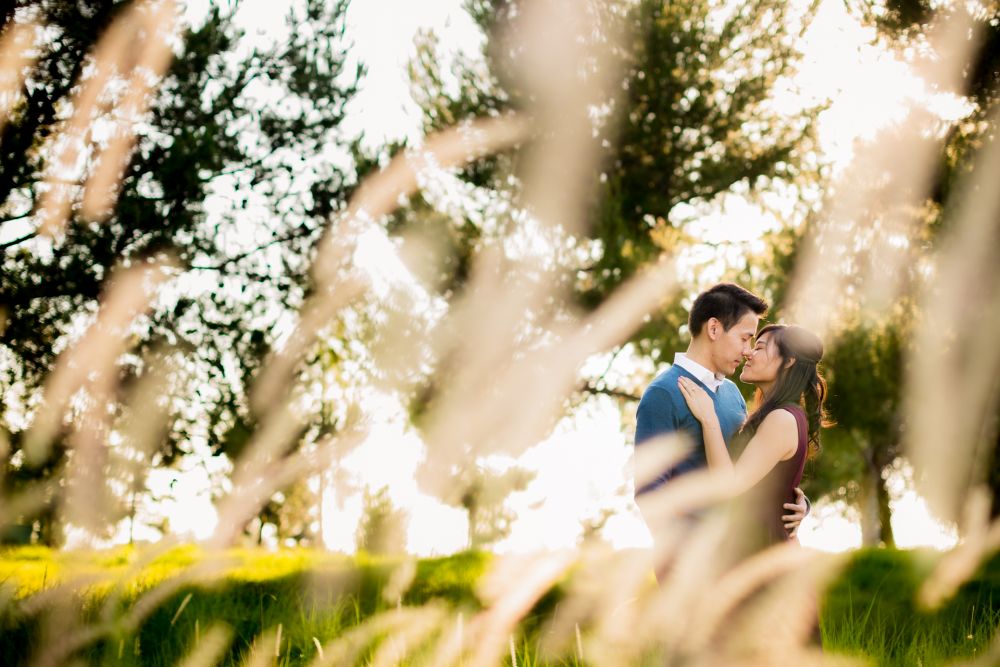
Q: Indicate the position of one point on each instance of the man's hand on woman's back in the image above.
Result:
(796, 512)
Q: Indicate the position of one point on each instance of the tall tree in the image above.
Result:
(696, 120)
(865, 370)
(904, 23)
(484, 498)
(867, 354)
(217, 179)
(382, 527)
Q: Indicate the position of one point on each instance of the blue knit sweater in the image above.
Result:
(663, 410)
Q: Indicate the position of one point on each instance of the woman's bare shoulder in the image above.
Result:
(780, 424)
(780, 418)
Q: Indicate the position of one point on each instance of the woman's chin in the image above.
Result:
(746, 378)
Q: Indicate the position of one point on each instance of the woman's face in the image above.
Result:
(764, 361)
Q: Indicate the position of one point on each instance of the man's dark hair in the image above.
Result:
(726, 302)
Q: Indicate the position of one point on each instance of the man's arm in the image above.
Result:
(655, 416)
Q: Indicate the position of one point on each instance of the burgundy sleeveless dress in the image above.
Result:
(778, 487)
(761, 508)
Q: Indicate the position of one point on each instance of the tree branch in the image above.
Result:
(252, 164)
(18, 217)
(605, 391)
(611, 362)
(22, 239)
(221, 266)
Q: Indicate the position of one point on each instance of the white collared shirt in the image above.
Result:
(711, 380)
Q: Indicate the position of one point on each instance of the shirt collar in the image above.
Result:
(711, 380)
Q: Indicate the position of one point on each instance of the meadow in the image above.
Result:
(296, 601)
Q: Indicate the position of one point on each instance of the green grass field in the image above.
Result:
(869, 612)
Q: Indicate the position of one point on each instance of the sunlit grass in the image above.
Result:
(309, 593)
(29, 570)
(869, 612)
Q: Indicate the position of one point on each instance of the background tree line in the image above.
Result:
(219, 180)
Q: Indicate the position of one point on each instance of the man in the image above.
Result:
(722, 322)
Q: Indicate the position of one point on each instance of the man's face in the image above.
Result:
(730, 348)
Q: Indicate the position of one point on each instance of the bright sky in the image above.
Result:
(584, 464)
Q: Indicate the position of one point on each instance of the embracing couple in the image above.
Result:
(763, 453)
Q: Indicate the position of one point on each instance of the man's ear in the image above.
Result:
(714, 328)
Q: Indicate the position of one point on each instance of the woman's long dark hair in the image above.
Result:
(799, 384)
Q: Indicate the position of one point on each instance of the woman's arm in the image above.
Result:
(776, 439)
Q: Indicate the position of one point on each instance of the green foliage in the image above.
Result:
(448, 578)
(484, 498)
(864, 368)
(696, 122)
(696, 119)
(208, 133)
(382, 528)
(907, 21)
(904, 24)
(864, 372)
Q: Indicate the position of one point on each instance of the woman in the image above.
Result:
(782, 432)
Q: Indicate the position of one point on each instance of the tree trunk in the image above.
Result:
(131, 518)
(321, 538)
(876, 514)
(884, 511)
(871, 525)
(473, 533)
(993, 477)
